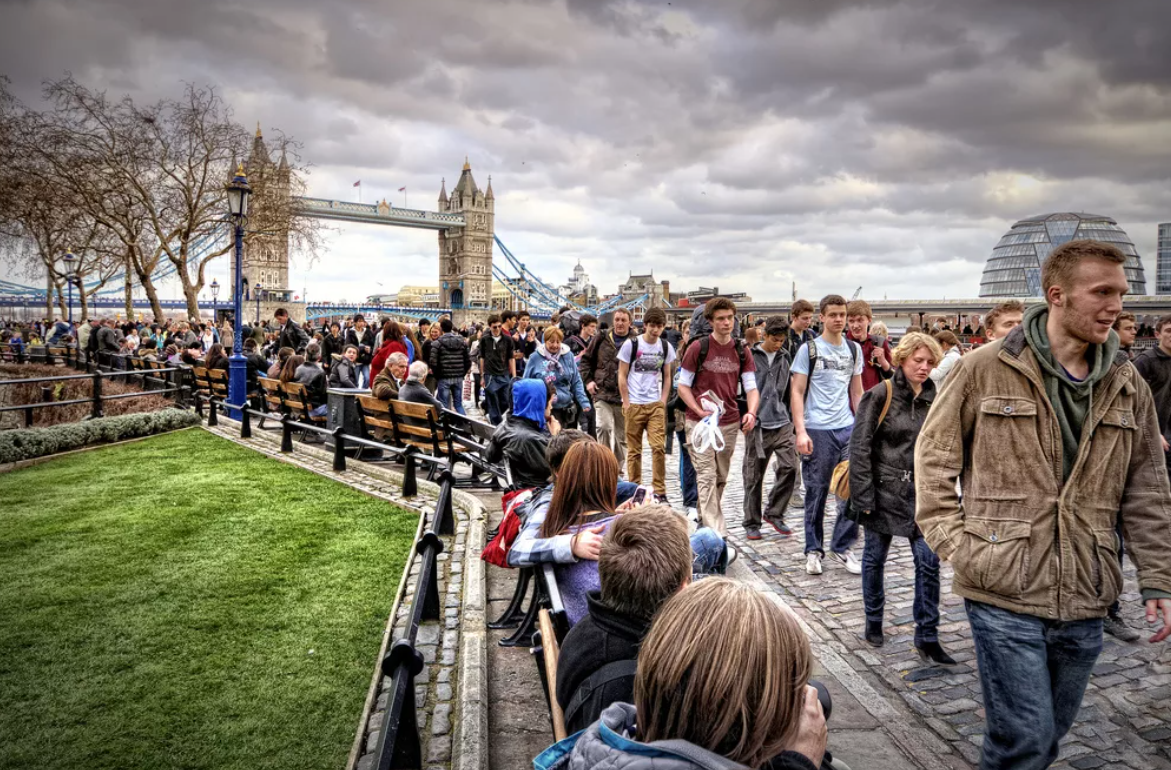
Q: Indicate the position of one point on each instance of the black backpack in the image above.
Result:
(589, 693)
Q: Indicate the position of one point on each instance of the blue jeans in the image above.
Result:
(686, 473)
(453, 387)
(926, 604)
(1033, 673)
(707, 552)
(319, 411)
(363, 375)
(497, 392)
(830, 447)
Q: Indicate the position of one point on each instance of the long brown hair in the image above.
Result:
(587, 481)
(391, 331)
(289, 370)
(724, 668)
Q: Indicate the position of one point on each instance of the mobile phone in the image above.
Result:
(639, 496)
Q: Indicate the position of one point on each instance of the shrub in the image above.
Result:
(17, 445)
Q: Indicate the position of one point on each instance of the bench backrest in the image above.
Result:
(419, 425)
(202, 383)
(219, 382)
(272, 394)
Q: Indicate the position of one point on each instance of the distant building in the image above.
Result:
(418, 296)
(703, 294)
(578, 288)
(645, 291)
(382, 299)
(504, 297)
(1014, 269)
(1163, 260)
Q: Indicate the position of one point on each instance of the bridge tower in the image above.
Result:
(266, 253)
(465, 253)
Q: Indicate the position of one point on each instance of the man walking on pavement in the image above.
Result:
(450, 362)
(644, 380)
(587, 420)
(824, 393)
(713, 369)
(772, 435)
(1054, 437)
(875, 358)
(498, 368)
(801, 319)
(599, 372)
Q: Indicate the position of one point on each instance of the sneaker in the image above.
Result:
(932, 652)
(813, 564)
(692, 513)
(1116, 627)
(796, 502)
(661, 499)
(853, 566)
(752, 533)
(783, 529)
(732, 554)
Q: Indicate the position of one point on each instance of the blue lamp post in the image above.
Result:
(238, 192)
(70, 260)
(215, 290)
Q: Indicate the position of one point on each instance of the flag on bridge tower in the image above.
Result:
(358, 183)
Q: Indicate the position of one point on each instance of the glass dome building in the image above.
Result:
(1014, 269)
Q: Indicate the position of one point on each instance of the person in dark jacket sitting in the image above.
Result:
(215, 358)
(312, 377)
(644, 560)
(414, 390)
(524, 434)
(882, 489)
(750, 706)
(450, 362)
(344, 373)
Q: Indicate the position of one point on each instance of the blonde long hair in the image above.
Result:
(724, 668)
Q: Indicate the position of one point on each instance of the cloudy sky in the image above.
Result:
(745, 143)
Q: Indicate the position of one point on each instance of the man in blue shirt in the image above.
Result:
(823, 397)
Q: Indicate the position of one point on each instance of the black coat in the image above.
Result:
(449, 358)
(344, 374)
(364, 342)
(416, 392)
(882, 457)
(329, 346)
(293, 336)
(523, 444)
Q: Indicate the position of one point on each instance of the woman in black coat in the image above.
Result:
(882, 488)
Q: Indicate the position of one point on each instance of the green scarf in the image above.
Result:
(1072, 401)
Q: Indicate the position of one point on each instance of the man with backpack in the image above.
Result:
(714, 366)
(599, 372)
(644, 380)
(577, 341)
(824, 391)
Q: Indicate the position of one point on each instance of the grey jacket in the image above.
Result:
(771, 382)
(608, 744)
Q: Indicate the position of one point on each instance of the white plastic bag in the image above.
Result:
(707, 436)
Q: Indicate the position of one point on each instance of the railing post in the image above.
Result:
(444, 516)
(286, 434)
(428, 549)
(213, 417)
(245, 423)
(97, 410)
(339, 449)
(410, 483)
(28, 417)
(398, 739)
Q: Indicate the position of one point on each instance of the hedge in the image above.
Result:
(17, 445)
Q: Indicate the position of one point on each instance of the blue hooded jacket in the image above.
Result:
(562, 373)
(528, 401)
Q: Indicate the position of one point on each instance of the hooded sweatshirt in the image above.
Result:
(1072, 400)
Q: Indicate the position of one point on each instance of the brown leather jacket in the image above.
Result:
(384, 387)
(1020, 539)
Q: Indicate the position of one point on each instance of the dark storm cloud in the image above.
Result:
(738, 142)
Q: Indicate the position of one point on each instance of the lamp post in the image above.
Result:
(237, 193)
(215, 289)
(70, 260)
(256, 290)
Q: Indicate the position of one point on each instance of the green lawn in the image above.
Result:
(183, 602)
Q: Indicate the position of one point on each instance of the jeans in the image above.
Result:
(830, 447)
(319, 411)
(779, 442)
(1033, 673)
(363, 375)
(453, 387)
(707, 552)
(652, 420)
(687, 482)
(926, 604)
(498, 392)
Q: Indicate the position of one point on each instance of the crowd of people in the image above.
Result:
(1025, 450)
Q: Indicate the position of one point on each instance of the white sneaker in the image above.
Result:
(853, 566)
(813, 564)
(732, 554)
(692, 513)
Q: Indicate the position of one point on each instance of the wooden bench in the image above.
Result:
(218, 379)
(270, 391)
(202, 382)
(552, 627)
(296, 401)
(473, 437)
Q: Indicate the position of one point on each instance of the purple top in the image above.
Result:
(579, 578)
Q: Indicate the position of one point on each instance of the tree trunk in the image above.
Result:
(148, 285)
(84, 305)
(49, 296)
(129, 292)
(192, 298)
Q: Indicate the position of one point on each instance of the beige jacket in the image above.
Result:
(1019, 539)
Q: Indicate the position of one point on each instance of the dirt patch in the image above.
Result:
(16, 395)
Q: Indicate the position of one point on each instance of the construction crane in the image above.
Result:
(856, 293)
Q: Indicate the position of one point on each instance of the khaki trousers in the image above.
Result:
(711, 475)
(612, 428)
(651, 418)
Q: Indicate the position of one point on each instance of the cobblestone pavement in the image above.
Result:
(1125, 720)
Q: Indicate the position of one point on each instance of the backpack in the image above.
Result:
(701, 327)
(496, 552)
(590, 689)
(570, 322)
(839, 480)
(741, 353)
(634, 340)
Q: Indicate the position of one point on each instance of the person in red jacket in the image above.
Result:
(393, 341)
(875, 354)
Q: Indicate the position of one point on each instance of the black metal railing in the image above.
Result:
(399, 743)
(172, 384)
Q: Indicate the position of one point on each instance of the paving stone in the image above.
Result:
(441, 719)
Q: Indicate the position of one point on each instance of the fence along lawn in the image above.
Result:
(185, 602)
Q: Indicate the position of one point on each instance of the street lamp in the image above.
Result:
(70, 260)
(215, 289)
(237, 193)
(256, 291)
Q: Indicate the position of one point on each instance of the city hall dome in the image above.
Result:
(1014, 269)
